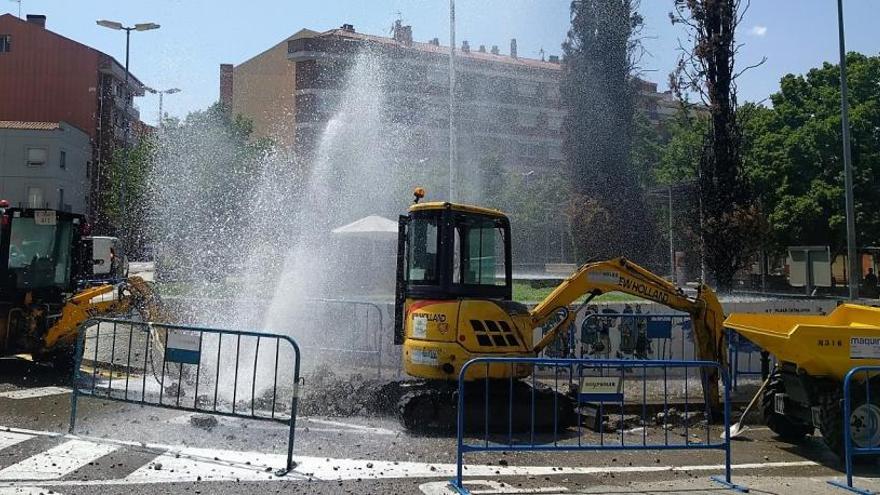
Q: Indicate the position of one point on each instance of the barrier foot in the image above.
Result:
(460, 489)
(853, 489)
(727, 484)
(283, 471)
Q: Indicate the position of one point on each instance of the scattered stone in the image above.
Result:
(671, 417)
(203, 421)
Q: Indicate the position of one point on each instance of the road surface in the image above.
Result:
(124, 448)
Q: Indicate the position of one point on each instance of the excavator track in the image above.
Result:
(428, 407)
(432, 407)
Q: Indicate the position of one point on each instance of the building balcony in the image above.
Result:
(133, 112)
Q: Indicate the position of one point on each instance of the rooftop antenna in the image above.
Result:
(397, 22)
(19, 7)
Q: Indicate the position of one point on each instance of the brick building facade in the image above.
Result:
(46, 77)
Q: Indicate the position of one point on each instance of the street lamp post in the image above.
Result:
(117, 26)
(855, 272)
(161, 92)
(451, 100)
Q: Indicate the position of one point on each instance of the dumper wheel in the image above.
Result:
(864, 421)
(783, 426)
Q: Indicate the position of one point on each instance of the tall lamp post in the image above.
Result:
(451, 100)
(117, 26)
(855, 272)
(161, 92)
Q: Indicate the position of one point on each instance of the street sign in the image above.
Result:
(809, 266)
(601, 389)
(182, 347)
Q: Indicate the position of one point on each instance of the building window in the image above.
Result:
(35, 197)
(37, 156)
(63, 163)
(5, 43)
(61, 199)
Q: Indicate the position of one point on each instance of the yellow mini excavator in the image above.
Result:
(41, 270)
(454, 303)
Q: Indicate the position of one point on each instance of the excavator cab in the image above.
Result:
(37, 252)
(454, 287)
(39, 267)
(456, 251)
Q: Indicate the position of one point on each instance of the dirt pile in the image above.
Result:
(325, 393)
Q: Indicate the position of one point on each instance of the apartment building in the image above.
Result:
(46, 77)
(507, 106)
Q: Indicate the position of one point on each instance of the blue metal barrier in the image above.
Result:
(353, 327)
(737, 345)
(657, 336)
(869, 418)
(164, 365)
(602, 386)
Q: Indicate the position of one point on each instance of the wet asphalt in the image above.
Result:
(774, 466)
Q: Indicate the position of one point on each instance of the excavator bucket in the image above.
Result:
(819, 345)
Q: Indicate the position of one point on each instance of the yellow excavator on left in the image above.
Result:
(45, 294)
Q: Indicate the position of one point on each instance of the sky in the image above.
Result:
(198, 35)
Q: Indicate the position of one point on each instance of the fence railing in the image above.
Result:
(615, 407)
(638, 336)
(351, 327)
(650, 336)
(746, 359)
(861, 427)
(206, 370)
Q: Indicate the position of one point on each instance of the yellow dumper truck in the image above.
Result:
(814, 354)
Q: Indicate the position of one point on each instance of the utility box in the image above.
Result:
(809, 267)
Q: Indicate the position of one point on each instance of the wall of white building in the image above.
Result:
(42, 168)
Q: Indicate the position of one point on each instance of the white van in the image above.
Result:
(106, 260)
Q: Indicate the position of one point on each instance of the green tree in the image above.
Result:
(679, 160)
(727, 224)
(794, 155)
(492, 178)
(599, 95)
(647, 144)
(678, 168)
(537, 203)
(206, 172)
(129, 183)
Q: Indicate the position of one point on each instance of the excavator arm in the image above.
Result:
(132, 294)
(622, 275)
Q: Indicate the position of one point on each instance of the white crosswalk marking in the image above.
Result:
(26, 490)
(32, 393)
(9, 438)
(57, 461)
(170, 464)
(191, 464)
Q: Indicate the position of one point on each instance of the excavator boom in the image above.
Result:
(132, 294)
(622, 275)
